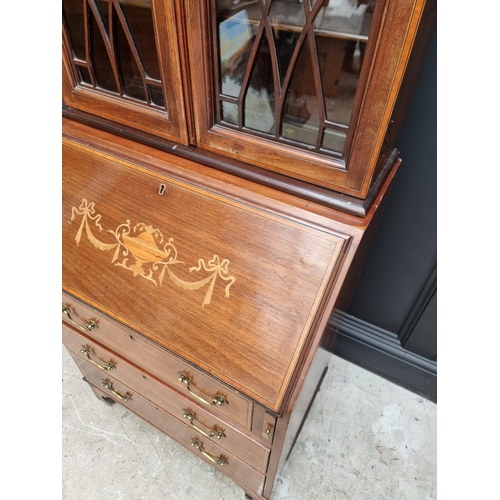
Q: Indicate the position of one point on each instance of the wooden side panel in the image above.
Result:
(290, 426)
(427, 28)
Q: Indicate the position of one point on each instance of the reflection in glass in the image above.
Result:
(284, 38)
(73, 20)
(99, 59)
(258, 108)
(292, 68)
(156, 96)
(333, 140)
(83, 74)
(140, 23)
(301, 112)
(235, 44)
(230, 113)
(103, 7)
(133, 83)
(116, 51)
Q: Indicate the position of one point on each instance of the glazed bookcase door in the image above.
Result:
(121, 62)
(305, 88)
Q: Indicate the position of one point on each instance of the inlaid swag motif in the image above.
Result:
(143, 250)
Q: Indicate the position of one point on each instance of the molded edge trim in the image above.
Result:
(380, 352)
(332, 199)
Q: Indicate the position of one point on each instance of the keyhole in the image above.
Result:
(161, 191)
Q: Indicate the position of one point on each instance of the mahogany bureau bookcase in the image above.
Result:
(225, 164)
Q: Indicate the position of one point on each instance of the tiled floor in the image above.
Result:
(365, 439)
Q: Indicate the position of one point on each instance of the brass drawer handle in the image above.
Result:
(84, 328)
(217, 400)
(109, 385)
(265, 434)
(215, 433)
(106, 367)
(220, 460)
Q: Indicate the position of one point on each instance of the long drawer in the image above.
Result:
(106, 363)
(238, 471)
(196, 385)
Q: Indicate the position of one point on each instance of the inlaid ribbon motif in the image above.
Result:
(143, 250)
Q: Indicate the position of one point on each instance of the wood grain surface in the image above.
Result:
(265, 276)
(161, 363)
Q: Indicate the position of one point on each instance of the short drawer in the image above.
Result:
(233, 467)
(169, 368)
(204, 423)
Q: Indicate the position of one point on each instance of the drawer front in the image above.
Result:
(238, 471)
(106, 363)
(197, 386)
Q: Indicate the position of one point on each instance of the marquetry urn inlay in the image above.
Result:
(143, 250)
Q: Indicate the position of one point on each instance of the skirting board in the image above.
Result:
(380, 352)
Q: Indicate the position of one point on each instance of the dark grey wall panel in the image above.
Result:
(380, 352)
(393, 313)
(422, 340)
(404, 250)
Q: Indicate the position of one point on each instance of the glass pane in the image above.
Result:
(132, 69)
(103, 8)
(297, 62)
(283, 15)
(140, 23)
(259, 110)
(156, 96)
(236, 38)
(301, 112)
(230, 113)
(334, 140)
(73, 20)
(338, 80)
(103, 70)
(132, 79)
(83, 73)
